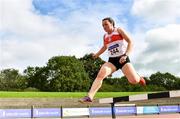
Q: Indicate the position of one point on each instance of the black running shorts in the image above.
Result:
(116, 63)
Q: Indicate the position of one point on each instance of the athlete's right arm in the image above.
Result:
(100, 52)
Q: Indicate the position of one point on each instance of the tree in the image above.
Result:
(91, 65)
(62, 73)
(166, 80)
(66, 73)
(11, 79)
(37, 78)
(177, 84)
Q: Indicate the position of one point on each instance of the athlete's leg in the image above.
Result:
(105, 70)
(131, 74)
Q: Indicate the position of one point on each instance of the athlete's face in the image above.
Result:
(108, 27)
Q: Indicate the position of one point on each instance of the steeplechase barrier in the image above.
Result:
(139, 97)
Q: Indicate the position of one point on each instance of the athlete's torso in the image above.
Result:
(115, 43)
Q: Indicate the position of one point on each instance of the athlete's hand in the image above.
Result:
(94, 56)
(123, 59)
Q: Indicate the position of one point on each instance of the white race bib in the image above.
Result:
(116, 49)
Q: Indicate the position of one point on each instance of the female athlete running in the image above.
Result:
(119, 46)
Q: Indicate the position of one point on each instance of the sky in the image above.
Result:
(33, 31)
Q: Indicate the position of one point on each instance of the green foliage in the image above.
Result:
(91, 65)
(177, 84)
(122, 84)
(108, 88)
(155, 88)
(11, 79)
(37, 78)
(67, 74)
(62, 73)
(166, 80)
(30, 89)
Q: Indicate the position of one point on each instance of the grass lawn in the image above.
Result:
(8, 94)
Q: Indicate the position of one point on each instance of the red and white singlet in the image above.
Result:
(115, 43)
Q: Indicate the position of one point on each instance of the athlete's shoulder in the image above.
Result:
(105, 35)
(120, 30)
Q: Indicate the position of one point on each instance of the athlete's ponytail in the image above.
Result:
(110, 20)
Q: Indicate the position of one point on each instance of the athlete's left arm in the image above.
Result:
(128, 39)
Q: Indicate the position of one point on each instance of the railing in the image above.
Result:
(61, 112)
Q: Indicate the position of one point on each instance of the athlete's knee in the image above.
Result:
(101, 75)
